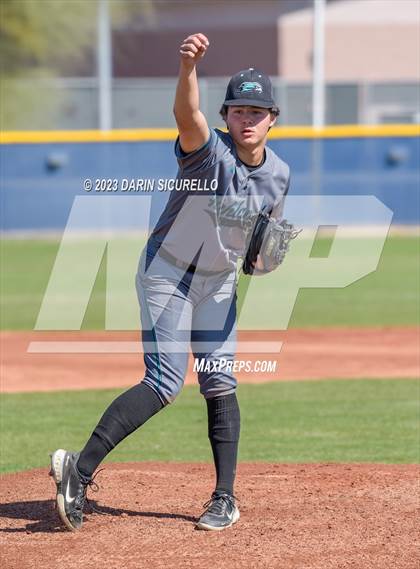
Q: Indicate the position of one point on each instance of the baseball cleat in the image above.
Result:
(221, 513)
(71, 490)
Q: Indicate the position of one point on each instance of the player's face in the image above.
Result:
(248, 126)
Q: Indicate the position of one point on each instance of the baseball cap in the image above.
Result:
(250, 87)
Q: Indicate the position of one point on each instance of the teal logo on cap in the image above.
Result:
(250, 87)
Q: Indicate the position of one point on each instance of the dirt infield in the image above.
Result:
(328, 516)
(306, 354)
(292, 516)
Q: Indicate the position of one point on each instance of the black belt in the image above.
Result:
(190, 268)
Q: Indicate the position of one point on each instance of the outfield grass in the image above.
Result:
(389, 296)
(310, 421)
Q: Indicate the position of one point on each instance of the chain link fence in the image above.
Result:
(72, 103)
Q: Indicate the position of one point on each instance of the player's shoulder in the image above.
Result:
(277, 164)
(223, 137)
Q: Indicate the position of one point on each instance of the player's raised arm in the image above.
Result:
(192, 124)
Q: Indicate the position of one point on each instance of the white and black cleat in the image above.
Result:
(221, 513)
(71, 490)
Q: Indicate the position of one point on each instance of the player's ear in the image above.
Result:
(274, 113)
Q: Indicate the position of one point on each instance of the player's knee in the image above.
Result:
(167, 393)
(172, 394)
(167, 388)
(211, 391)
(216, 384)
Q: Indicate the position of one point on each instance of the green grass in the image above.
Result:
(25, 271)
(389, 296)
(310, 421)
(386, 297)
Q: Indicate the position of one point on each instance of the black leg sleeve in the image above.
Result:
(224, 426)
(125, 414)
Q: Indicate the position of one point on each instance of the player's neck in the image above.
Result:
(251, 156)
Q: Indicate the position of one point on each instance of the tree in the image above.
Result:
(35, 35)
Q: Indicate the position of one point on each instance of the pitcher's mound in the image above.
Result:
(317, 516)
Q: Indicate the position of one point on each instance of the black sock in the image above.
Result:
(125, 414)
(224, 427)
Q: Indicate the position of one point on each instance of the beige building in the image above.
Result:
(372, 62)
(242, 33)
(365, 40)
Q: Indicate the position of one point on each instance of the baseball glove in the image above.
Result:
(271, 240)
(264, 235)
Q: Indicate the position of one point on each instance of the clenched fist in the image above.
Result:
(193, 48)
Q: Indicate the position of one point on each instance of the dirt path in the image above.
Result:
(306, 354)
(292, 517)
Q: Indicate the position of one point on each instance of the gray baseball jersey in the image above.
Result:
(186, 282)
(184, 225)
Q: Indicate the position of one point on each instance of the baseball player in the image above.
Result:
(186, 284)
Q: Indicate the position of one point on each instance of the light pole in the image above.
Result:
(104, 63)
(318, 80)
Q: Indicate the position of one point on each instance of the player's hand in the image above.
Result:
(193, 48)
